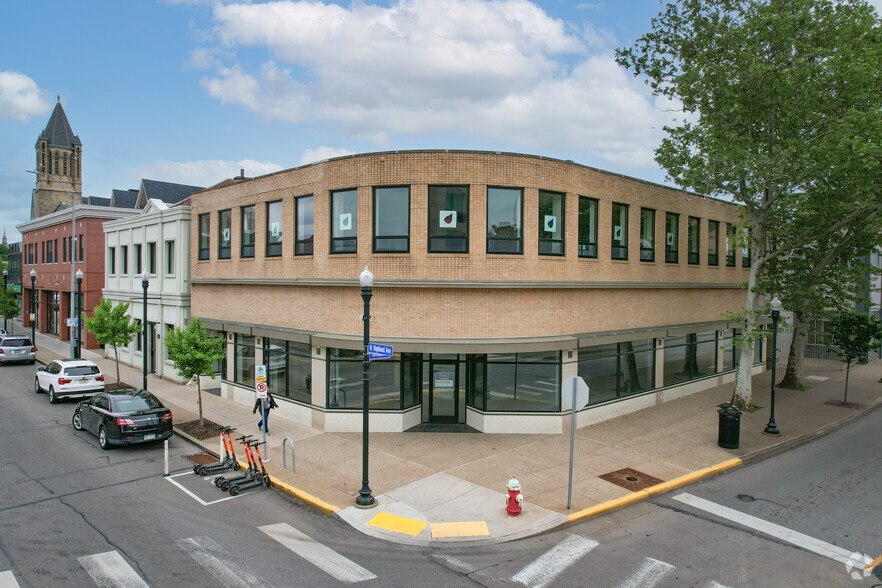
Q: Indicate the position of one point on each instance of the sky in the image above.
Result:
(192, 91)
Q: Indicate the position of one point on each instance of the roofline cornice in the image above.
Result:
(83, 211)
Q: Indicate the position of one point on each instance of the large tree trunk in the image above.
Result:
(794, 375)
(742, 397)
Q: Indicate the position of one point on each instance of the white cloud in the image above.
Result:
(200, 173)
(497, 71)
(322, 153)
(20, 98)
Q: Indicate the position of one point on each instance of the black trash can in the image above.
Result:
(730, 427)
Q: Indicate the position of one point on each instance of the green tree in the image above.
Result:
(111, 325)
(852, 336)
(778, 97)
(194, 353)
(9, 305)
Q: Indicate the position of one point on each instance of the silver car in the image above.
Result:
(17, 348)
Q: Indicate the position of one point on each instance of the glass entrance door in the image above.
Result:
(52, 315)
(444, 392)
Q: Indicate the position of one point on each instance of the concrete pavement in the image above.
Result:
(450, 487)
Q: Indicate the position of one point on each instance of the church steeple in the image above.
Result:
(59, 153)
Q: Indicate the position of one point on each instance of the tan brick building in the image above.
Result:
(497, 275)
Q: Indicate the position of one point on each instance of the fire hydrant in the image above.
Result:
(513, 497)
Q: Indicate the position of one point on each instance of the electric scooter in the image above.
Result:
(228, 462)
(261, 478)
(224, 483)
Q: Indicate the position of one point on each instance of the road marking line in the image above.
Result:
(219, 563)
(321, 556)
(872, 565)
(545, 568)
(715, 584)
(110, 570)
(460, 529)
(457, 565)
(648, 574)
(190, 494)
(7, 580)
(392, 522)
(823, 548)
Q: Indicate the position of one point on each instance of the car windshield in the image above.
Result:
(16, 343)
(133, 403)
(82, 370)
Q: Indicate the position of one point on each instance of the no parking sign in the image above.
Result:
(262, 389)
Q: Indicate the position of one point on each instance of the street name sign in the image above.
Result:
(377, 351)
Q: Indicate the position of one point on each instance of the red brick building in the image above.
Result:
(47, 249)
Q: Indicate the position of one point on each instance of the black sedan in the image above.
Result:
(123, 417)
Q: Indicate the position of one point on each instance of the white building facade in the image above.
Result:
(158, 241)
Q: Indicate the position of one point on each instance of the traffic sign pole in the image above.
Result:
(577, 399)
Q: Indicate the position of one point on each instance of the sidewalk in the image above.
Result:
(450, 487)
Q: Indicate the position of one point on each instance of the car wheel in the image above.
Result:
(103, 442)
(53, 399)
(37, 388)
(77, 421)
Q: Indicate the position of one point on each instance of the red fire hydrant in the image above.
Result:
(513, 497)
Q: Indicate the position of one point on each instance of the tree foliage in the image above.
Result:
(852, 336)
(781, 113)
(9, 306)
(112, 325)
(193, 352)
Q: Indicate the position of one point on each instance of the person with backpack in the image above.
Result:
(265, 404)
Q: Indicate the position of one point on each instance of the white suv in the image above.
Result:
(77, 377)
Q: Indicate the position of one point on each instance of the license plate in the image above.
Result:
(149, 437)
(18, 350)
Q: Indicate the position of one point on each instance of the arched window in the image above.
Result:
(56, 163)
(64, 165)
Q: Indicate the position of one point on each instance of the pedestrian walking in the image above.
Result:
(265, 404)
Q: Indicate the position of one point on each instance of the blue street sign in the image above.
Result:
(377, 351)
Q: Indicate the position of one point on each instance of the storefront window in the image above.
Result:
(689, 357)
(289, 369)
(448, 219)
(617, 370)
(504, 211)
(394, 384)
(523, 382)
(730, 350)
(551, 223)
(392, 220)
(619, 231)
(587, 227)
(344, 221)
(243, 368)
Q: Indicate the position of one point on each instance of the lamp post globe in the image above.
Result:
(144, 283)
(33, 310)
(775, 306)
(364, 499)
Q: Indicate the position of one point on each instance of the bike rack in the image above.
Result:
(293, 466)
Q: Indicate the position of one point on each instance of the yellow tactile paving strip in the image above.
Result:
(466, 529)
(392, 522)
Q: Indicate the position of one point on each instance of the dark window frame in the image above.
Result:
(343, 245)
(730, 245)
(647, 253)
(553, 246)
(246, 250)
(713, 228)
(274, 249)
(587, 247)
(494, 240)
(303, 246)
(694, 256)
(619, 252)
(434, 224)
(672, 248)
(224, 251)
(204, 226)
(376, 238)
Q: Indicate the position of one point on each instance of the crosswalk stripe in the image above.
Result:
(550, 564)
(806, 542)
(648, 574)
(321, 556)
(7, 580)
(218, 562)
(715, 584)
(110, 570)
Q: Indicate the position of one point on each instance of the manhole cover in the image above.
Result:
(202, 458)
(631, 479)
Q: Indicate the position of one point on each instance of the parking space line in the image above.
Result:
(806, 542)
(193, 496)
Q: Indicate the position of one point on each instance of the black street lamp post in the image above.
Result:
(144, 283)
(775, 304)
(5, 278)
(33, 313)
(365, 500)
(79, 327)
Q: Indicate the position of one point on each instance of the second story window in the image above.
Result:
(224, 233)
(274, 229)
(392, 220)
(344, 221)
(151, 258)
(305, 220)
(713, 228)
(247, 233)
(551, 223)
(111, 260)
(124, 260)
(204, 235)
(448, 219)
(169, 257)
(504, 212)
(694, 240)
(647, 234)
(619, 231)
(587, 227)
(672, 237)
(730, 245)
(138, 259)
